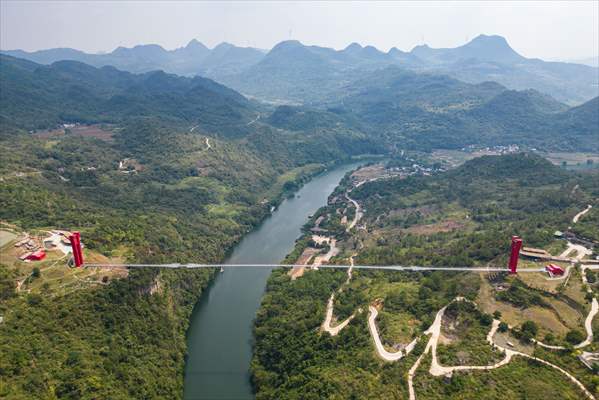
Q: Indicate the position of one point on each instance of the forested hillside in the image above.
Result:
(184, 202)
(431, 111)
(295, 72)
(149, 167)
(387, 109)
(459, 218)
(36, 96)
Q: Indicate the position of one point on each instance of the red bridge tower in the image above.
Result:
(516, 246)
(75, 239)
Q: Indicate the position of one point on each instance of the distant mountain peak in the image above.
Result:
(486, 48)
(140, 49)
(421, 47)
(353, 47)
(492, 48)
(224, 46)
(194, 44)
(287, 44)
(490, 39)
(493, 42)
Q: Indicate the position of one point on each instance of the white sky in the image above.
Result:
(544, 29)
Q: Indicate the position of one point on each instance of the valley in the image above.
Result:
(298, 222)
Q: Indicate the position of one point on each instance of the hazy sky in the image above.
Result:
(544, 29)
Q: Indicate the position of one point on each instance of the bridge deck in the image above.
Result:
(331, 266)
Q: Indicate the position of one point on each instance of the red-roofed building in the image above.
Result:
(554, 270)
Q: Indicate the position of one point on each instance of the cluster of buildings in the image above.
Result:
(495, 150)
(33, 250)
(415, 169)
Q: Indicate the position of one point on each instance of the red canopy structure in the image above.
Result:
(554, 270)
(37, 255)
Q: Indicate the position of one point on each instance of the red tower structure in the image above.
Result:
(516, 246)
(75, 239)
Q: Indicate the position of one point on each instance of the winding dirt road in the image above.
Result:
(380, 349)
(437, 369)
(580, 214)
(358, 214)
(326, 325)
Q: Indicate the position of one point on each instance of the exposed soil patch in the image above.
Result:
(443, 226)
(96, 131)
(369, 172)
(303, 259)
(92, 131)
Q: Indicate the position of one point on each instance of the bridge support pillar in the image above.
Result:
(515, 253)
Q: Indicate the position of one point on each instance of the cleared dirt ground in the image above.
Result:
(97, 131)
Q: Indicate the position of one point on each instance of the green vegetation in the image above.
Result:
(118, 341)
(498, 197)
(522, 379)
(519, 296)
(466, 329)
(184, 196)
(469, 214)
(588, 225)
(203, 167)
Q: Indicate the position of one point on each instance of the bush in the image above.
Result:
(574, 336)
(503, 327)
(36, 273)
(486, 319)
(591, 276)
(34, 299)
(529, 330)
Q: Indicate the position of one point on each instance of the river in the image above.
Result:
(219, 339)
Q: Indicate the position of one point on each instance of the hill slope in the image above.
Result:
(69, 91)
(463, 217)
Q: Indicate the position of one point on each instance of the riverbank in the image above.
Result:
(219, 338)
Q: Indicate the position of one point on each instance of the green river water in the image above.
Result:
(219, 339)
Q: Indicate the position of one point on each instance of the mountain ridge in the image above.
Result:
(305, 71)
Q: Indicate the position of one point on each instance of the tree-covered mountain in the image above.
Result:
(392, 107)
(299, 73)
(293, 72)
(202, 170)
(193, 59)
(36, 96)
(425, 111)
